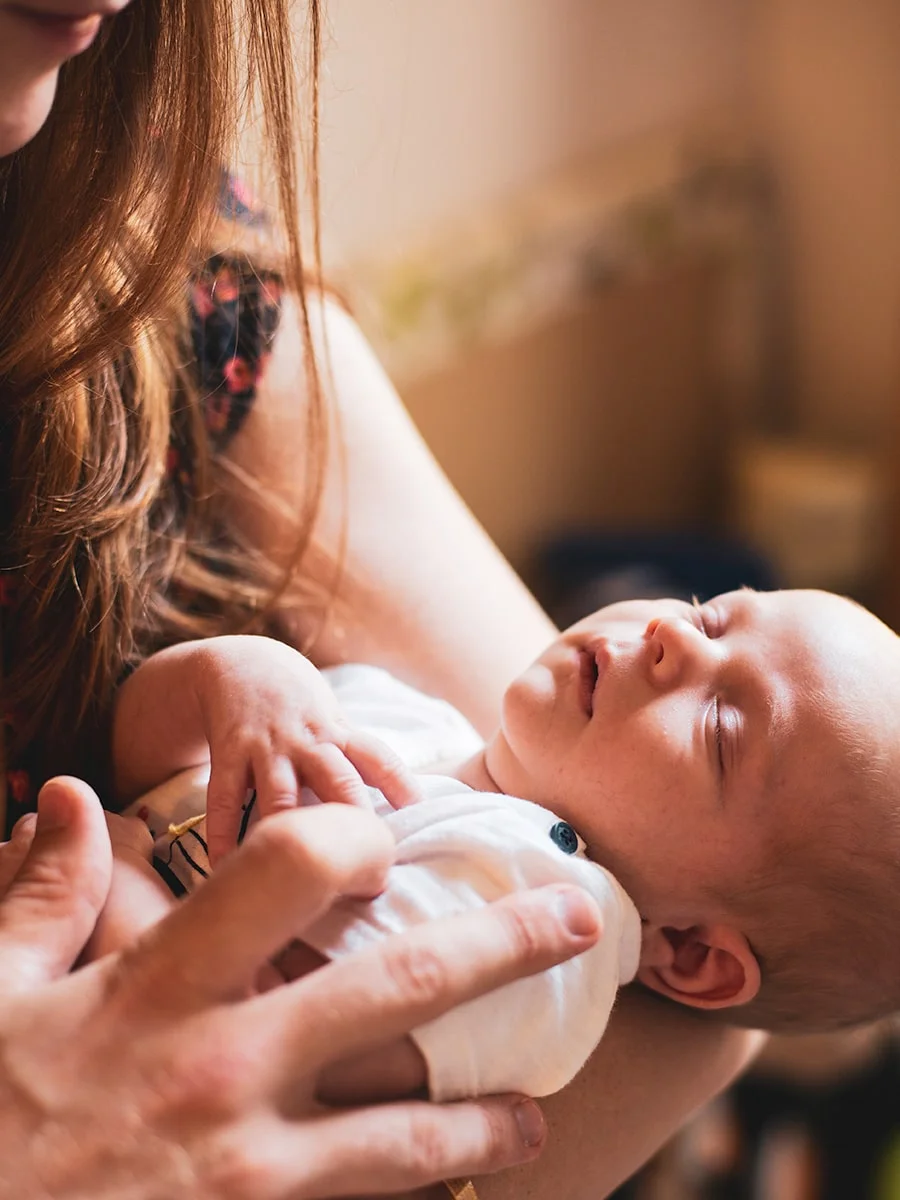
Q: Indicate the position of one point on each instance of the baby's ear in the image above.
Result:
(705, 966)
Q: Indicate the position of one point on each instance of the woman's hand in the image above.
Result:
(138, 898)
(148, 1073)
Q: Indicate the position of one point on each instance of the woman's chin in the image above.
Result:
(24, 114)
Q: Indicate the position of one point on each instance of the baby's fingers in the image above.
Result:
(326, 769)
(276, 783)
(228, 782)
(380, 767)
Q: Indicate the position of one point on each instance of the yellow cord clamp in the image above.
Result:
(461, 1189)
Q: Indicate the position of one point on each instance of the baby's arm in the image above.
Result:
(137, 897)
(264, 717)
(388, 1073)
(158, 728)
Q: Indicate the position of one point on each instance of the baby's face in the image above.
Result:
(692, 747)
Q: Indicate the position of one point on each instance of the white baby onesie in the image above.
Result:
(457, 849)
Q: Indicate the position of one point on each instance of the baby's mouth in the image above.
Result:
(588, 675)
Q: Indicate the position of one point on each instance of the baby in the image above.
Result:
(731, 765)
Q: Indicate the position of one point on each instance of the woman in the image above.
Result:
(174, 468)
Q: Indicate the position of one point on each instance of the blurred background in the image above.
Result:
(635, 268)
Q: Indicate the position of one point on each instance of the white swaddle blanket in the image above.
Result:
(457, 849)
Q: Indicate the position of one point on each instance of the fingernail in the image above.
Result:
(54, 810)
(530, 1121)
(577, 911)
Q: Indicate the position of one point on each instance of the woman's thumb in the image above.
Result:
(53, 902)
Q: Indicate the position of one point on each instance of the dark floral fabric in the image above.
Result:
(234, 315)
(234, 312)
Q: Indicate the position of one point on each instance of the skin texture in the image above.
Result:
(30, 62)
(710, 732)
(138, 898)
(102, 1068)
(699, 749)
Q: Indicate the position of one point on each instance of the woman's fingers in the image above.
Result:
(290, 869)
(377, 1151)
(384, 991)
(51, 905)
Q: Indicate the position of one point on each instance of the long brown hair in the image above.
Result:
(103, 217)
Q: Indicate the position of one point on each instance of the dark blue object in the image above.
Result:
(565, 837)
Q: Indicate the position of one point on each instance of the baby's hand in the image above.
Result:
(273, 724)
(137, 897)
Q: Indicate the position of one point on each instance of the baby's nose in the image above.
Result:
(674, 647)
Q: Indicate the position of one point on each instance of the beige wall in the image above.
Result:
(434, 106)
(578, 424)
(826, 90)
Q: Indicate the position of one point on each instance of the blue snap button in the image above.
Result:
(565, 837)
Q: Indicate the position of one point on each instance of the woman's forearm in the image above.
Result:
(655, 1066)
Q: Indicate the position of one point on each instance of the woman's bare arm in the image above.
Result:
(426, 594)
(655, 1066)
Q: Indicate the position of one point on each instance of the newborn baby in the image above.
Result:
(726, 771)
